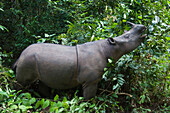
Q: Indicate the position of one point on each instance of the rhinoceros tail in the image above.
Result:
(14, 66)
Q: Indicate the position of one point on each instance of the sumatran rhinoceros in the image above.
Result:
(63, 67)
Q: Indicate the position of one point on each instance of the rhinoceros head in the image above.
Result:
(128, 41)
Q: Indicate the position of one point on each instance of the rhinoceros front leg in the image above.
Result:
(89, 90)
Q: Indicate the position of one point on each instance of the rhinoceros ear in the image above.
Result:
(131, 23)
(111, 41)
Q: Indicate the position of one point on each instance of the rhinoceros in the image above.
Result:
(63, 67)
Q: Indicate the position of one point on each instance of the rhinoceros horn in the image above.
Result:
(131, 23)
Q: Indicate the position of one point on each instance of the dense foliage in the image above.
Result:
(138, 82)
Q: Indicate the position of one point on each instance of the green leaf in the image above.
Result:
(56, 97)
(168, 38)
(46, 35)
(92, 105)
(36, 94)
(52, 109)
(27, 95)
(59, 104)
(140, 17)
(105, 69)
(104, 75)
(42, 101)
(124, 20)
(114, 25)
(14, 107)
(46, 104)
(114, 79)
(109, 60)
(101, 99)
(65, 105)
(53, 104)
(115, 86)
(81, 98)
(32, 100)
(120, 75)
(3, 93)
(25, 102)
(114, 95)
(60, 110)
(1, 9)
(64, 99)
(3, 28)
(42, 40)
(82, 105)
(24, 108)
(142, 97)
(148, 98)
(37, 104)
(56, 110)
(11, 71)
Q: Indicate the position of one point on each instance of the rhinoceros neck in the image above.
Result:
(92, 53)
(103, 47)
(91, 59)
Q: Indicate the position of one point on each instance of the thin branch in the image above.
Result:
(106, 88)
(111, 92)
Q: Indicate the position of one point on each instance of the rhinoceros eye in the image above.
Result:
(111, 41)
(126, 36)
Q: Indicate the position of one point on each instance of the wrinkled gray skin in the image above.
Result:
(64, 67)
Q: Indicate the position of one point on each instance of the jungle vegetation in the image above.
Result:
(138, 82)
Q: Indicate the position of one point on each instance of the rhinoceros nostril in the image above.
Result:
(143, 27)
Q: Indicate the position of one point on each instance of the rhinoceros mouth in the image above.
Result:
(143, 36)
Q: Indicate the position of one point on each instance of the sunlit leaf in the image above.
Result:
(46, 104)
(56, 97)
(140, 17)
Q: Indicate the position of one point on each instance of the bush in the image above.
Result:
(138, 82)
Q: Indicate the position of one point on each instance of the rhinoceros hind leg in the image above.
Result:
(24, 80)
(44, 90)
(89, 91)
(26, 70)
